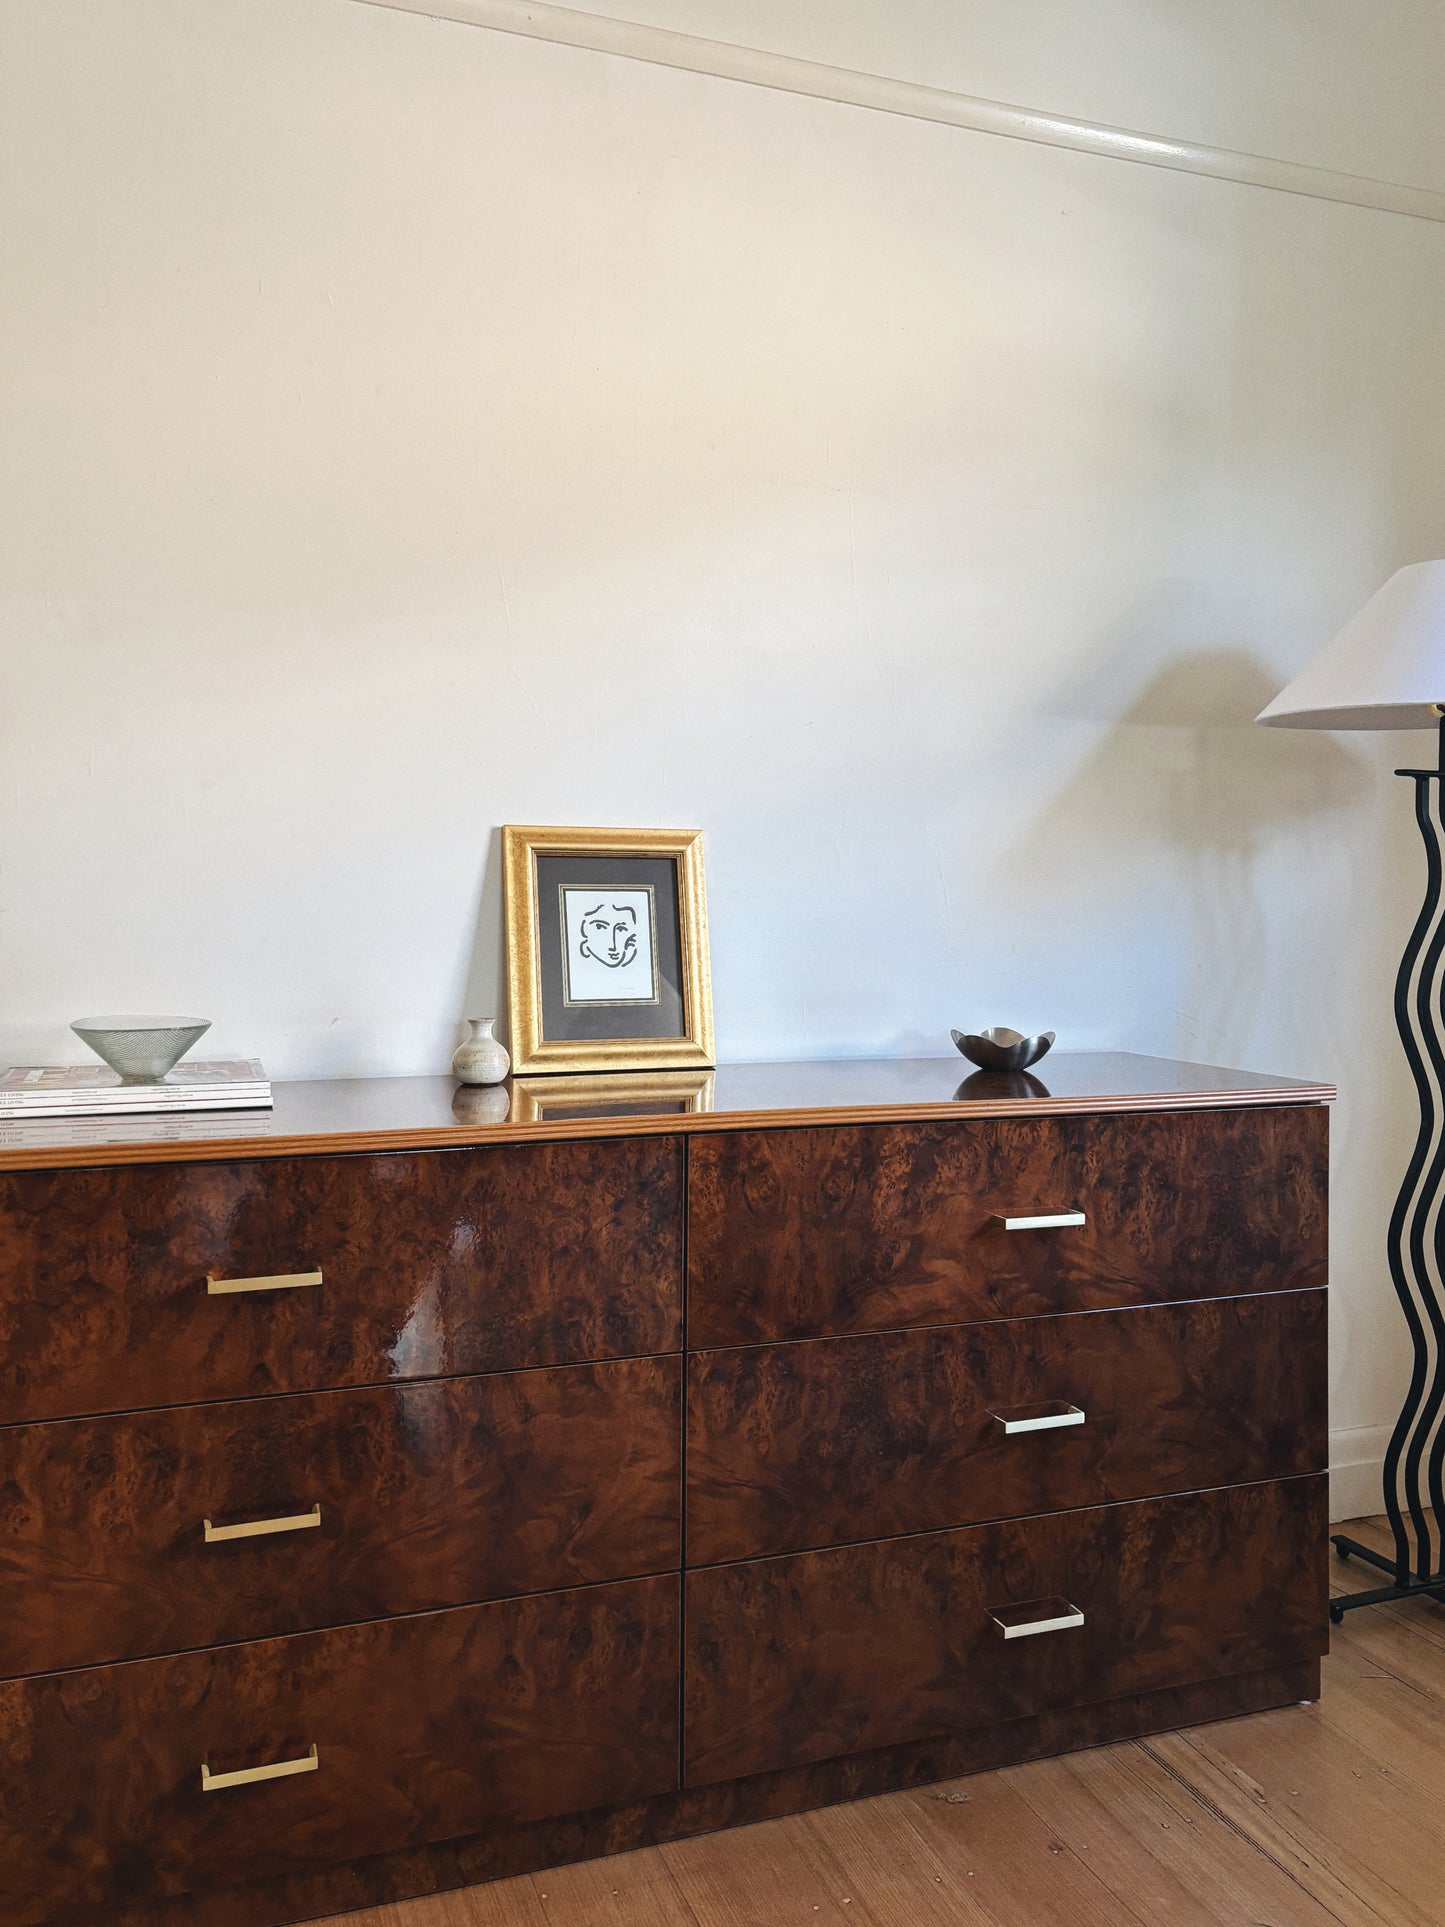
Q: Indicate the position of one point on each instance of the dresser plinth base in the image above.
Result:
(483, 1857)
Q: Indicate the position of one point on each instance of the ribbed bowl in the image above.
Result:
(1002, 1049)
(141, 1049)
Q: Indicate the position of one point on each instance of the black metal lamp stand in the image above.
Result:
(1413, 1461)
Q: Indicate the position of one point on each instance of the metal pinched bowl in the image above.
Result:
(1002, 1049)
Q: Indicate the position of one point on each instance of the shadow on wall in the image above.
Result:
(485, 991)
(1186, 791)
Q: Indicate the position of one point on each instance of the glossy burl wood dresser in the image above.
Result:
(400, 1490)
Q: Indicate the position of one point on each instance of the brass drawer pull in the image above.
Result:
(250, 1775)
(1038, 1616)
(1050, 1417)
(1040, 1220)
(283, 1281)
(256, 1528)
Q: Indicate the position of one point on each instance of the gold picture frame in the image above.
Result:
(551, 1030)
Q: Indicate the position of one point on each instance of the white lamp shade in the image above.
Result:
(1384, 670)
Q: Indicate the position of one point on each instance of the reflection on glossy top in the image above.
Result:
(405, 1113)
(996, 1085)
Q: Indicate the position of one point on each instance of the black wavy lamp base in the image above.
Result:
(1415, 1457)
(1433, 1587)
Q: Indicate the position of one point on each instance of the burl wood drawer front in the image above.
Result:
(159, 1531)
(433, 1262)
(423, 1729)
(807, 1233)
(828, 1653)
(835, 1439)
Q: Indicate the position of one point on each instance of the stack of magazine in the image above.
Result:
(83, 1091)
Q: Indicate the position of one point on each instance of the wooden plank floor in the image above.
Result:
(1299, 1818)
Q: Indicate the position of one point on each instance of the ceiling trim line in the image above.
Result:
(755, 66)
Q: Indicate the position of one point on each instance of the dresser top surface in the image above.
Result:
(432, 1113)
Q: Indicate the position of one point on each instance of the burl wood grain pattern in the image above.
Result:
(441, 1262)
(432, 1494)
(427, 1729)
(799, 1234)
(837, 1439)
(824, 1653)
(495, 1855)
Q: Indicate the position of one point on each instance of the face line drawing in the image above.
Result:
(608, 934)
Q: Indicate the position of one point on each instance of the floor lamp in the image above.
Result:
(1386, 670)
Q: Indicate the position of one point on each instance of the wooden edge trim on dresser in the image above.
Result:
(473, 1861)
(630, 1121)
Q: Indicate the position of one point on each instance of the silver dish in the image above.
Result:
(1002, 1049)
(141, 1049)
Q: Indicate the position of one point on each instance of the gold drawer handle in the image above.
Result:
(1050, 1417)
(1038, 1616)
(1040, 1220)
(255, 1528)
(250, 1775)
(283, 1281)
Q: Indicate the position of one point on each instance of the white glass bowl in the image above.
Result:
(141, 1049)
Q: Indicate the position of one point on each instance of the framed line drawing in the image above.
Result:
(607, 958)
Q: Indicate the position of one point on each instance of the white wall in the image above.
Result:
(409, 429)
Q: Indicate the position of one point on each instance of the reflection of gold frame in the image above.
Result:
(521, 845)
(541, 1100)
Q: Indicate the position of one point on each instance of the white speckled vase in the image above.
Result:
(482, 1058)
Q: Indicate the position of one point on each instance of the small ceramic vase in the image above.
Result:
(482, 1058)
